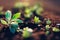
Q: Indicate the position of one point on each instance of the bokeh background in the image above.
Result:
(52, 7)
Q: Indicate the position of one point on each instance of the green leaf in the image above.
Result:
(4, 22)
(48, 22)
(19, 21)
(47, 27)
(26, 33)
(13, 28)
(36, 19)
(17, 15)
(56, 29)
(8, 15)
(28, 13)
(47, 32)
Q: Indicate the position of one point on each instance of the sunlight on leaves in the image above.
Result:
(4, 22)
(15, 16)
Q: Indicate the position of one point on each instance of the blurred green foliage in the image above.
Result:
(12, 22)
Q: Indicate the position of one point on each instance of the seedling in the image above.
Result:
(12, 21)
(36, 20)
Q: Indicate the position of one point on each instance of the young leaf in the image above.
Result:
(8, 15)
(15, 16)
(47, 32)
(56, 29)
(36, 19)
(27, 11)
(4, 22)
(19, 21)
(26, 32)
(48, 22)
(47, 27)
(13, 28)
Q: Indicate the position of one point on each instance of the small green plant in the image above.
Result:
(48, 21)
(11, 21)
(27, 32)
(47, 27)
(55, 29)
(28, 13)
(36, 20)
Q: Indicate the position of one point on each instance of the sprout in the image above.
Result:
(27, 32)
(47, 27)
(48, 22)
(36, 19)
(28, 13)
(12, 22)
(56, 29)
(47, 32)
